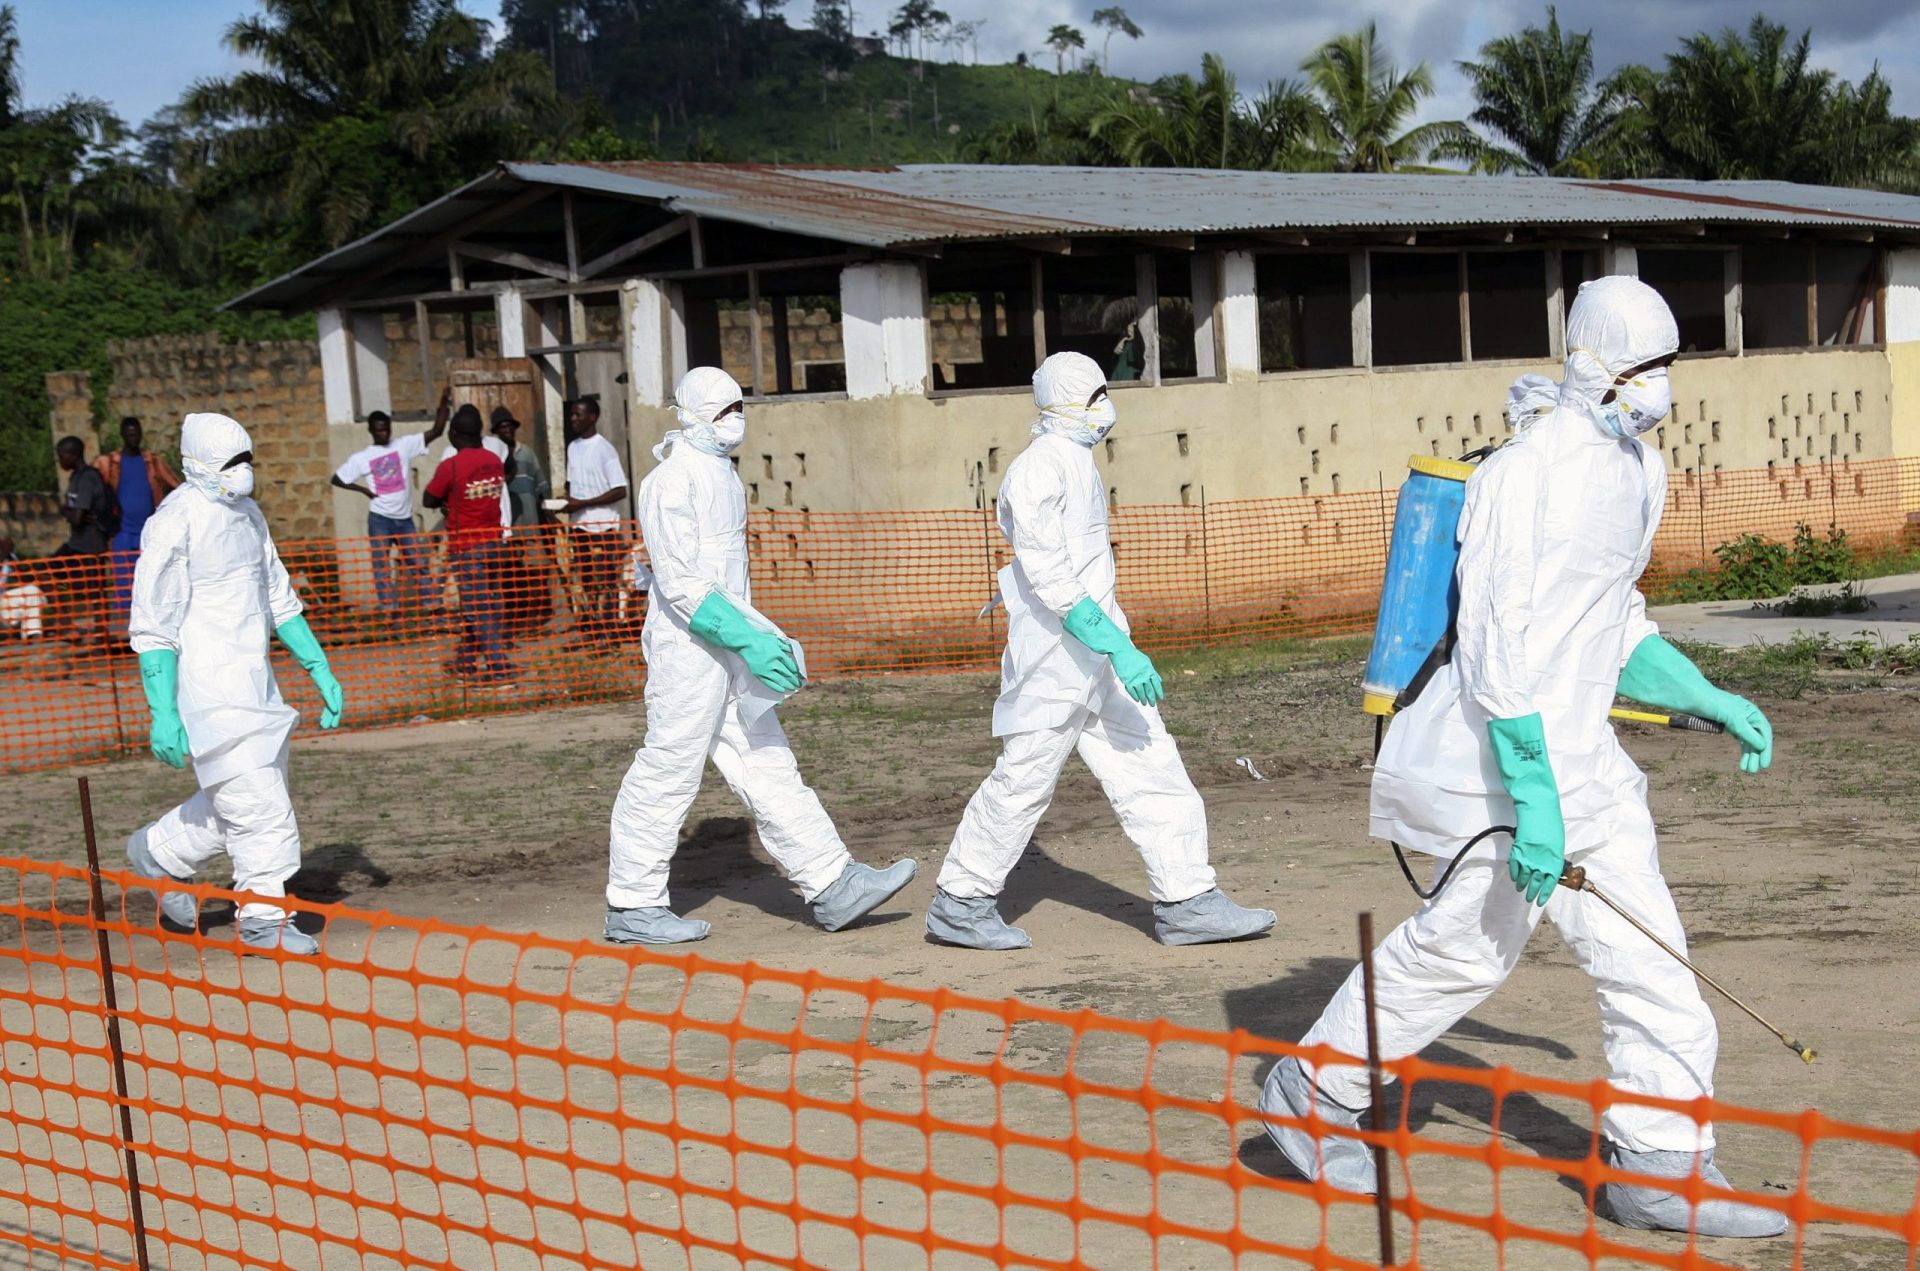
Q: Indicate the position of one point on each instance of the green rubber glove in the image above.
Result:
(717, 622)
(305, 647)
(1539, 853)
(160, 678)
(1088, 623)
(1660, 675)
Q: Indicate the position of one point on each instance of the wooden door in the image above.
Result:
(487, 382)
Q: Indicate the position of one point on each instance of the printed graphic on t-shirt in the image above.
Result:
(389, 472)
(485, 488)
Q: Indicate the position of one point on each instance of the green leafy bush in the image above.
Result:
(1754, 566)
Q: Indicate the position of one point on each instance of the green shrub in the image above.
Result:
(1754, 566)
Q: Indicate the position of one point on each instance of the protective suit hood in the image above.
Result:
(1616, 324)
(208, 442)
(698, 399)
(1071, 391)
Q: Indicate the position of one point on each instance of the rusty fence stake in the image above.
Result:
(110, 1011)
(1383, 1194)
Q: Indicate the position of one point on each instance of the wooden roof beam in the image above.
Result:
(636, 247)
(514, 260)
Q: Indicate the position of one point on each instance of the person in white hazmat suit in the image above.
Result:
(1556, 529)
(716, 669)
(1071, 680)
(209, 595)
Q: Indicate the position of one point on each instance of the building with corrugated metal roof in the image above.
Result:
(1286, 333)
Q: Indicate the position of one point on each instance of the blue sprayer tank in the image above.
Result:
(1418, 598)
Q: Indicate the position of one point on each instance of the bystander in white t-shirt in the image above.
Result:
(593, 468)
(387, 472)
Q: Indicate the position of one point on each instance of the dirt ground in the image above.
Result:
(1798, 889)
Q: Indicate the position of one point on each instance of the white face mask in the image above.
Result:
(1638, 404)
(730, 430)
(222, 485)
(1088, 425)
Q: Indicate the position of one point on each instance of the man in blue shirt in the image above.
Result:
(140, 480)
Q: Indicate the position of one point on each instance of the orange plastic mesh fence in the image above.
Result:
(405, 621)
(425, 1095)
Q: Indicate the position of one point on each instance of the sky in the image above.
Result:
(140, 54)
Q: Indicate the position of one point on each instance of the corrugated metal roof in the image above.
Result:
(1165, 200)
(930, 203)
(804, 201)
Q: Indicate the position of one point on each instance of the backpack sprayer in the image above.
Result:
(1413, 637)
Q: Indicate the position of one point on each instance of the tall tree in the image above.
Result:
(1062, 39)
(58, 169)
(830, 20)
(360, 110)
(1366, 103)
(1750, 106)
(1114, 21)
(1535, 93)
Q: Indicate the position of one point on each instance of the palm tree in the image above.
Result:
(1060, 40)
(1365, 102)
(56, 167)
(362, 108)
(1205, 123)
(1535, 92)
(1749, 106)
(1116, 22)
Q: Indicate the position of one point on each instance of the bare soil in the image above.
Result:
(1799, 889)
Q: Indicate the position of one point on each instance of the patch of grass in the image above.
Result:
(1804, 604)
(1790, 669)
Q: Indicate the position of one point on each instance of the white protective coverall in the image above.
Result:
(1058, 696)
(702, 702)
(1557, 527)
(210, 586)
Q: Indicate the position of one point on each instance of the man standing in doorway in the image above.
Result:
(468, 485)
(383, 473)
(139, 480)
(526, 475)
(596, 485)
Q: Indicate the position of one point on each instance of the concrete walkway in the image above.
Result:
(1894, 618)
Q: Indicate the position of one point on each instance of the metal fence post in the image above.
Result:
(110, 1013)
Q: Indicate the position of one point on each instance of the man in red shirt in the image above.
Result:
(468, 485)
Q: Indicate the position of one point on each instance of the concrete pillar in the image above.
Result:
(1903, 350)
(1240, 314)
(1903, 296)
(510, 313)
(336, 366)
(676, 332)
(371, 388)
(1360, 297)
(553, 394)
(647, 351)
(1620, 258)
(1204, 275)
(884, 329)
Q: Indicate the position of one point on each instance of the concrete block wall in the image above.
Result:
(1305, 433)
(446, 339)
(33, 521)
(273, 388)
